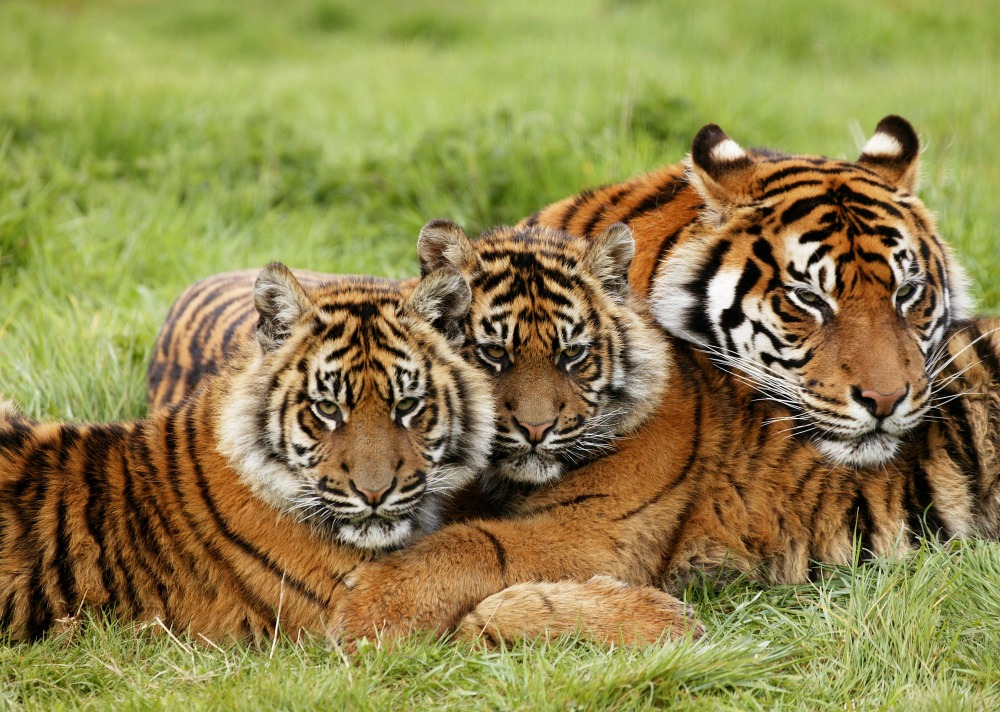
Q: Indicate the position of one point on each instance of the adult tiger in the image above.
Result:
(821, 281)
(575, 361)
(712, 483)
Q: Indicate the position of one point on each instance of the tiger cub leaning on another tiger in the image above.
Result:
(824, 282)
(332, 437)
(575, 362)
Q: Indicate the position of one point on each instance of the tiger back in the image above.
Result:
(823, 282)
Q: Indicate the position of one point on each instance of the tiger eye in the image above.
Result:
(495, 352)
(808, 297)
(572, 351)
(327, 408)
(905, 291)
(405, 405)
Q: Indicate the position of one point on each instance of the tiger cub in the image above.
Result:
(823, 282)
(575, 362)
(334, 436)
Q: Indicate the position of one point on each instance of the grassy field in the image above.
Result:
(144, 145)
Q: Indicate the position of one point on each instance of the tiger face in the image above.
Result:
(358, 412)
(574, 363)
(821, 281)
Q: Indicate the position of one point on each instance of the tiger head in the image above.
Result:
(356, 410)
(822, 281)
(575, 364)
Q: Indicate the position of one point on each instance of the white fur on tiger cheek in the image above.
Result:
(882, 144)
(721, 294)
(727, 151)
(959, 293)
(670, 301)
(239, 442)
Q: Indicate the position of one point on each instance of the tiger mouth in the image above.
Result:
(874, 448)
(869, 436)
(335, 517)
(528, 466)
(372, 518)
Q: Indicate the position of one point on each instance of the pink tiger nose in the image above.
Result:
(535, 432)
(880, 404)
(374, 497)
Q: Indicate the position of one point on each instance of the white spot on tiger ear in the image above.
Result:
(727, 151)
(882, 144)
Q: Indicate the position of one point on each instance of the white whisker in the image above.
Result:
(934, 374)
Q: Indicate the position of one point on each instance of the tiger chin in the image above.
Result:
(333, 438)
(821, 282)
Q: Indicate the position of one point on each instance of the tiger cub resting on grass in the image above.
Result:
(238, 512)
(714, 482)
(824, 286)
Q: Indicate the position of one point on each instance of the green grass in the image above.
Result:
(144, 145)
(917, 634)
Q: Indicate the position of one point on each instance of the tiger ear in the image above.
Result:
(719, 169)
(442, 244)
(442, 298)
(893, 152)
(280, 302)
(609, 257)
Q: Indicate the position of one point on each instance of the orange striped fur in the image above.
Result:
(331, 437)
(239, 511)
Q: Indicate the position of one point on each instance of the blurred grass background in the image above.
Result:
(144, 145)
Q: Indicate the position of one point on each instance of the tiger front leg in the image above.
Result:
(431, 586)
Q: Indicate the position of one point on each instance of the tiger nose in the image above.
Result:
(535, 432)
(879, 404)
(374, 497)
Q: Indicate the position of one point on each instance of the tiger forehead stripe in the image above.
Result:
(367, 309)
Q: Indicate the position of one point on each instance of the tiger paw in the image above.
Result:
(394, 597)
(601, 610)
